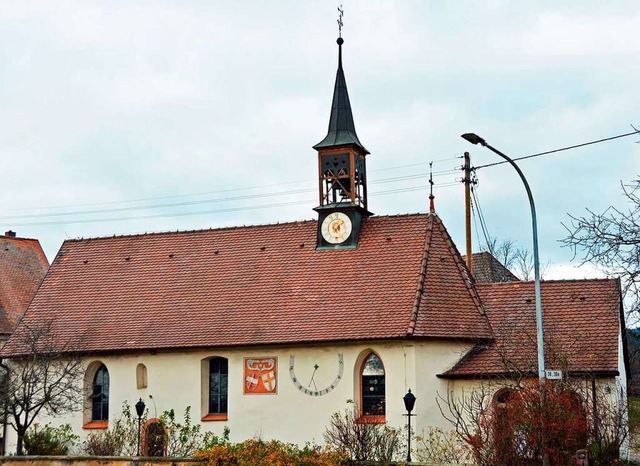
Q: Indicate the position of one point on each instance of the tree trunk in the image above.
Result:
(19, 449)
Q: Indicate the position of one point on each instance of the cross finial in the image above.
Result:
(340, 23)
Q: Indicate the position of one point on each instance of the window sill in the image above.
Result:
(96, 425)
(373, 419)
(215, 417)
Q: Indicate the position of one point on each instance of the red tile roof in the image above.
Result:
(257, 285)
(23, 264)
(581, 325)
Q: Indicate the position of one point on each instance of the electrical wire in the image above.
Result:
(189, 203)
(205, 201)
(205, 212)
(483, 223)
(475, 222)
(559, 150)
(220, 191)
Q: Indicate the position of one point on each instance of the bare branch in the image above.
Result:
(45, 379)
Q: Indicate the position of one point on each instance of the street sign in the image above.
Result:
(553, 374)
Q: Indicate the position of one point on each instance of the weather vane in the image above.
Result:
(340, 23)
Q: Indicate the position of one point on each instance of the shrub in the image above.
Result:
(436, 445)
(120, 440)
(183, 438)
(47, 440)
(362, 441)
(104, 443)
(256, 452)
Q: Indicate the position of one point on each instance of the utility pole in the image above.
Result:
(467, 208)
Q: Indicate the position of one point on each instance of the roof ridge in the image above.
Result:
(542, 282)
(195, 230)
(18, 238)
(422, 279)
(223, 228)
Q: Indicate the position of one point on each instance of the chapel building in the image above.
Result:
(270, 329)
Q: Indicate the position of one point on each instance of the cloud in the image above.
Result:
(583, 35)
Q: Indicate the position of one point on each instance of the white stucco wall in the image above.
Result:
(175, 380)
(622, 382)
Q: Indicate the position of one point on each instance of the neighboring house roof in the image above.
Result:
(488, 269)
(23, 265)
(255, 286)
(582, 322)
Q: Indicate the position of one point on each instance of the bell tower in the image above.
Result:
(342, 174)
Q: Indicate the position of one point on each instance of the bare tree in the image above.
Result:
(504, 250)
(611, 240)
(517, 259)
(44, 378)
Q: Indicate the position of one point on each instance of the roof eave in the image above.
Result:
(502, 375)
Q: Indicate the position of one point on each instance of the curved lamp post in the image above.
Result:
(475, 139)
(409, 402)
(139, 411)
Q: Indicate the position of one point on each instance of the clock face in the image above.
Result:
(336, 228)
(313, 376)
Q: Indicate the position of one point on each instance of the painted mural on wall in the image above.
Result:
(261, 376)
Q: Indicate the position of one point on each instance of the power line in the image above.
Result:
(220, 191)
(483, 223)
(203, 212)
(207, 201)
(560, 150)
(195, 202)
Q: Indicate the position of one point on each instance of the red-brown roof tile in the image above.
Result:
(581, 328)
(256, 285)
(23, 264)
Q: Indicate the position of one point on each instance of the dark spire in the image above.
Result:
(342, 130)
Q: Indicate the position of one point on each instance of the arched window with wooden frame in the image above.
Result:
(372, 389)
(100, 395)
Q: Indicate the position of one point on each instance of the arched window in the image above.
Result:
(141, 376)
(372, 387)
(218, 385)
(100, 395)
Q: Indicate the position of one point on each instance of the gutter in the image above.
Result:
(502, 375)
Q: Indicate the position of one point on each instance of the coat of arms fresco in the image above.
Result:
(261, 376)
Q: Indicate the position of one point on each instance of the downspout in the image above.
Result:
(4, 417)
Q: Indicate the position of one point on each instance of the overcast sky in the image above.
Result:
(117, 107)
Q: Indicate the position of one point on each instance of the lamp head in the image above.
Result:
(473, 138)
(140, 407)
(409, 401)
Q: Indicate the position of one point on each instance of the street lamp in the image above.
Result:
(475, 139)
(139, 411)
(409, 402)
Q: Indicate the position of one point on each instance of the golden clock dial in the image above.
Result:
(336, 228)
(311, 384)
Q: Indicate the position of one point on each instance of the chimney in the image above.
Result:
(10, 234)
